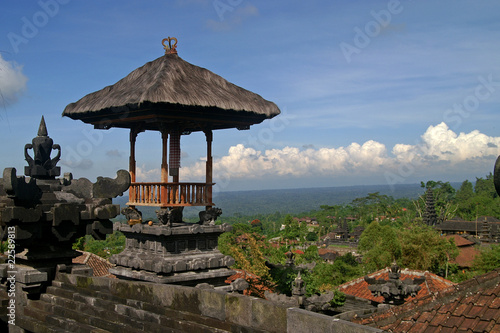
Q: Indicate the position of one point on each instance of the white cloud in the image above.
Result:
(144, 175)
(12, 81)
(440, 150)
(442, 144)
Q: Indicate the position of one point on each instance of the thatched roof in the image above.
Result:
(174, 93)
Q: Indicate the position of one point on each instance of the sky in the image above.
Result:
(370, 92)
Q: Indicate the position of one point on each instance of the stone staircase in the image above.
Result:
(67, 308)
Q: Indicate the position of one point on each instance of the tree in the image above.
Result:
(292, 228)
(465, 192)
(465, 201)
(486, 186)
(379, 245)
(423, 248)
(487, 260)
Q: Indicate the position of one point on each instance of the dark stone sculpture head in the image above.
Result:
(41, 166)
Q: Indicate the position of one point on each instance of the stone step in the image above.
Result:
(32, 325)
(73, 326)
(42, 312)
(89, 315)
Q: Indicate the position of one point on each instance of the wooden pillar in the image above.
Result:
(209, 165)
(164, 167)
(131, 167)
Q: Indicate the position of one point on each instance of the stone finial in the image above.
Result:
(298, 286)
(41, 166)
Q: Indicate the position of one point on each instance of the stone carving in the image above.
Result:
(184, 254)
(394, 290)
(132, 215)
(170, 215)
(42, 166)
(496, 175)
(48, 214)
(111, 188)
(208, 217)
(298, 286)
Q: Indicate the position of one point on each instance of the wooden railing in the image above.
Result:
(170, 194)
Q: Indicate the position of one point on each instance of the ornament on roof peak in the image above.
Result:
(170, 49)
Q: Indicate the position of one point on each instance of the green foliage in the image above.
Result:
(485, 186)
(113, 244)
(292, 228)
(373, 205)
(311, 254)
(423, 248)
(283, 278)
(311, 236)
(487, 260)
(246, 246)
(379, 245)
(483, 201)
(79, 244)
(338, 299)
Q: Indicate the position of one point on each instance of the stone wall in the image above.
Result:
(93, 304)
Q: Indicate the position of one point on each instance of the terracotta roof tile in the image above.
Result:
(405, 326)
(474, 311)
(495, 304)
(417, 327)
(99, 265)
(460, 241)
(460, 309)
(438, 319)
(466, 256)
(425, 317)
(447, 329)
(490, 314)
(447, 308)
(482, 326)
(431, 329)
(432, 284)
(472, 306)
(453, 321)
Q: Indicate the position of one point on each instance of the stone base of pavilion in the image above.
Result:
(184, 254)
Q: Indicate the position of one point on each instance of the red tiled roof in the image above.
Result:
(459, 240)
(471, 306)
(255, 288)
(466, 256)
(466, 252)
(323, 251)
(432, 284)
(100, 265)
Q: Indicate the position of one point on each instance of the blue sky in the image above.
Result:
(371, 92)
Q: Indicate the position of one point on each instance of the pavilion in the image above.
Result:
(176, 98)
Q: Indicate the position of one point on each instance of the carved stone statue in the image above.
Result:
(394, 290)
(42, 166)
(208, 217)
(170, 215)
(132, 215)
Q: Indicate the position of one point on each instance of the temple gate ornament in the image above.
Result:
(42, 166)
(49, 214)
(394, 290)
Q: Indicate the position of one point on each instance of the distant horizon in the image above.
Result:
(324, 187)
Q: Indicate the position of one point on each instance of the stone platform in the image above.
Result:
(183, 253)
